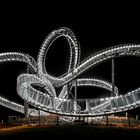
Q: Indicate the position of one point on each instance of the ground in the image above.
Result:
(70, 132)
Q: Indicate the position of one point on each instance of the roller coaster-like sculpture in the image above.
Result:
(45, 98)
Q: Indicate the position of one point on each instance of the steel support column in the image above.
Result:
(26, 106)
(39, 117)
(75, 96)
(68, 90)
(113, 76)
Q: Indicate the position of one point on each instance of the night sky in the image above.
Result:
(23, 29)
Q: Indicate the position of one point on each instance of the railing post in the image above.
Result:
(107, 120)
(83, 120)
(29, 120)
(57, 120)
(87, 105)
(129, 120)
(126, 114)
(137, 117)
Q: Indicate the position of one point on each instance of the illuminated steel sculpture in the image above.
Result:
(47, 100)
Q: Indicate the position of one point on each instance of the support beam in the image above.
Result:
(75, 89)
(75, 96)
(68, 90)
(26, 106)
(29, 120)
(113, 76)
(39, 117)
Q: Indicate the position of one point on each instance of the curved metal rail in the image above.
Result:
(47, 100)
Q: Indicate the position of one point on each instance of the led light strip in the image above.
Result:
(47, 100)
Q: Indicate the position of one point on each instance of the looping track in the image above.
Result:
(47, 100)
